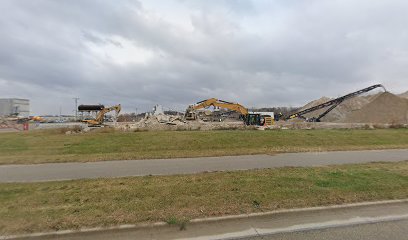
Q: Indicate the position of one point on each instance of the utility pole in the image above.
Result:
(76, 107)
(60, 115)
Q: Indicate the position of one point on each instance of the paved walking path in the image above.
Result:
(107, 169)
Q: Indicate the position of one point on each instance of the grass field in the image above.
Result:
(48, 206)
(55, 146)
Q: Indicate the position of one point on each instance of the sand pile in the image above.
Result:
(404, 95)
(316, 102)
(384, 108)
(339, 113)
(348, 106)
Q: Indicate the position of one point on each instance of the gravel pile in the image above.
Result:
(385, 108)
(339, 113)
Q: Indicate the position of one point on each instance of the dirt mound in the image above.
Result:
(315, 103)
(404, 95)
(339, 113)
(371, 97)
(384, 108)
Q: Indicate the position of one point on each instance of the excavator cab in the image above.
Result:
(258, 119)
(253, 119)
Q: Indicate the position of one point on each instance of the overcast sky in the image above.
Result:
(142, 53)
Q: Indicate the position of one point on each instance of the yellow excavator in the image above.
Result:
(257, 119)
(98, 121)
(191, 112)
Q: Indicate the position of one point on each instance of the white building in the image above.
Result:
(14, 106)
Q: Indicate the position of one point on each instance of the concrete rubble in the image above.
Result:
(165, 122)
(158, 120)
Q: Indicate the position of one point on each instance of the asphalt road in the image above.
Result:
(390, 230)
(107, 169)
(377, 221)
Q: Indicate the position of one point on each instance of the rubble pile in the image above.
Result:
(166, 122)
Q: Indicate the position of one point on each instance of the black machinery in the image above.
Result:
(90, 107)
(331, 104)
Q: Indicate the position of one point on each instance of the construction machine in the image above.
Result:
(331, 104)
(37, 119)
(258, 119)
(100, 117)
(191, 112)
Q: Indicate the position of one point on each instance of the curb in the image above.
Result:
(295, 210)
(202, 220)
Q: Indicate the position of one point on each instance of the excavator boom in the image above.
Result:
(221, 104)
(191, 110)
(101, 115)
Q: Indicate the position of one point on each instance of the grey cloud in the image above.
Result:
(255, 52)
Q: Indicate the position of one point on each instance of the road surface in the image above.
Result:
(107, 169)
(391, 230)
(376, 221)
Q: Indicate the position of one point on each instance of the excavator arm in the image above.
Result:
(204, 104)
(221, 104)
(232, 106)
(191, 114)
(101, 115)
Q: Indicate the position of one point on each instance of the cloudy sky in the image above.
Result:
(141, 53)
